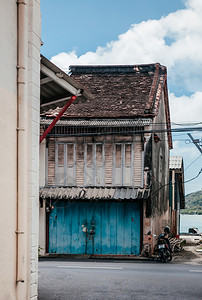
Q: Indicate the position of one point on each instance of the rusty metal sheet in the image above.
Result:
(93, 193)
(111, 194)
(128, 194)
(90, 193)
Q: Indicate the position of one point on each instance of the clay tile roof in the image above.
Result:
(120, 91)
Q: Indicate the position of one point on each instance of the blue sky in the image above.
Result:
(133, 32)
(85, 24)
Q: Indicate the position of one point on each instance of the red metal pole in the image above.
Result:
(42, 137)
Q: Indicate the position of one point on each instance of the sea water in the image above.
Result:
(188, 221)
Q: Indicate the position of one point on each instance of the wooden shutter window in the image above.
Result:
(99, 159)
(61, 154)
(128, 154)
(70, 154)
(89, 154)
(117, 155)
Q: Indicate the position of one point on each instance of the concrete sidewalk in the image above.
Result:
(188, 254)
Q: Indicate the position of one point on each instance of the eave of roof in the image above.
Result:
(56, 87)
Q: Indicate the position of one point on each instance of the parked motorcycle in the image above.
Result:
(164, 250)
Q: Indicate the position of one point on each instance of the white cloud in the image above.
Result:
(186, 109)
(146, 43)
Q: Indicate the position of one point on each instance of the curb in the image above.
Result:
(85, 257)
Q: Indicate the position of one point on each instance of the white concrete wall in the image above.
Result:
(9, 289)
(8, 121)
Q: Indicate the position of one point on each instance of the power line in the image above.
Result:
(182, 182)
(153, 176)
(194, 177)
(196, 142)
(193, 162)
(187, 124)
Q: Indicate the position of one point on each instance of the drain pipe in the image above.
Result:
(21, 216)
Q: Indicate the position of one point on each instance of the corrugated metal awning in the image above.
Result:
(94, 193)
(176, 162)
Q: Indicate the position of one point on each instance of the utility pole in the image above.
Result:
(196, 142)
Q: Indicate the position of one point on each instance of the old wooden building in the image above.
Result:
(105, 165)
(177, 192)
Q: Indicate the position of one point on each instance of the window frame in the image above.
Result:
(94, 165)
(66, 165)
(123, 165)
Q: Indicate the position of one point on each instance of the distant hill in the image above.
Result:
(193, 204)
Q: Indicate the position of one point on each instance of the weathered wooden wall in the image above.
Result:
(108, 152)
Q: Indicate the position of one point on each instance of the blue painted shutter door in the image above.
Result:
(53, 231)
(90, 228)
(105, 246)
(135, 228)
(113, 227)
(75, 228)
(67, 228)
(95, 228)
(60, 229)
(82, 225)
(98, 229)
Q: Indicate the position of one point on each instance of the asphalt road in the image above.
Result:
(118, 280)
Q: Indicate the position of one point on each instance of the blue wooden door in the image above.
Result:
(95, 228)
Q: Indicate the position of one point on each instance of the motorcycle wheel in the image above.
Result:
(170, 257)
(163, 257)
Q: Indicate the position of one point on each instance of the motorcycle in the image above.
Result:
(164, 250)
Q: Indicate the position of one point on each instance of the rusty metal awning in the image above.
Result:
(94, 193)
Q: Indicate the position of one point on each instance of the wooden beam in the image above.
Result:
(60, 81)
(45, 80)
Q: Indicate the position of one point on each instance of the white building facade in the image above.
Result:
(20, 41)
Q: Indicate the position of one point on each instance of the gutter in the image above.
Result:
(21, 146)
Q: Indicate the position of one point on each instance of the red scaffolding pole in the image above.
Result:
(42, 137)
